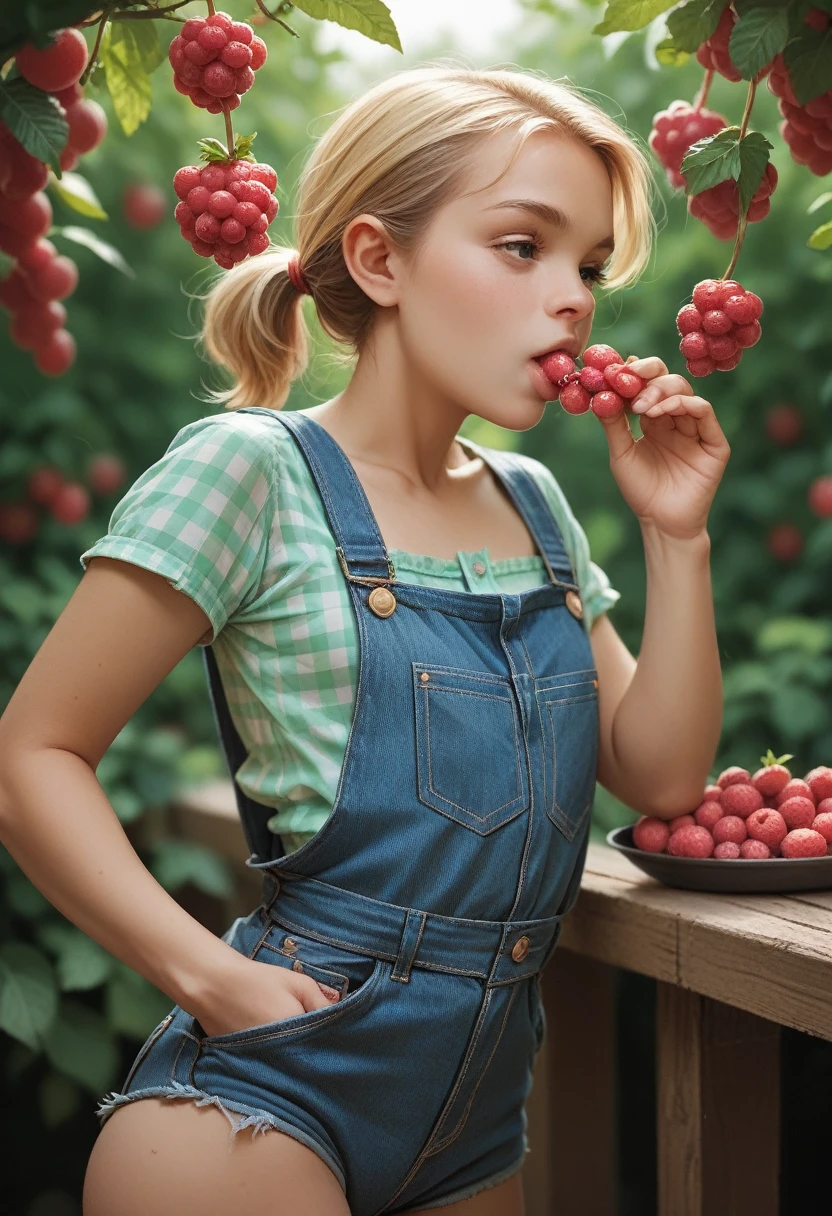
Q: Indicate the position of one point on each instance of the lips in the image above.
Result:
(570, 346)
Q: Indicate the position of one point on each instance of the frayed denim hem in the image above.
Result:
(257, 1120)
(468, 1191)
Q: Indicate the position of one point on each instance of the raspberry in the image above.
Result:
(681, 821)
(823, 823)
(719, 206)
(768, 826)
(224, 209)
(798, 812)
(56, 354)
(721, 322)
(600, 356)
(57, 65)
(677, 129)
(741, 799)
(575, 399)
(806, 129)
(713, 53)
(771, 779)
(87, 126)
(727, 851)
(794, 789)
(691, 842)
(820, 496)
(730, 827)
(803, 842)
(214, 60)
(755, 850)
(557, 365)
(819, 782)
(651, 834)
(713, 793)
(785, 542)
(733, 776)
(603, 384)
(707, 814)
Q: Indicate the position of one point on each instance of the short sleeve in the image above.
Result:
(597, 595)
(201, 515)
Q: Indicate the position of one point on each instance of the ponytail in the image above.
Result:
(254, 327)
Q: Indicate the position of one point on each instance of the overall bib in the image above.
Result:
(434, 893)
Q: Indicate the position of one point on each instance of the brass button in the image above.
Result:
(521, 949)
(595, 682)
(424, 677)
(382, 601)
(573, 603)
(290, 945)
(297, 965)
(479, 567)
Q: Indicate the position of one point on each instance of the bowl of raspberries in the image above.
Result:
(766, 831)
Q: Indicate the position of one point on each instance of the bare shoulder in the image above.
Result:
(122, 631)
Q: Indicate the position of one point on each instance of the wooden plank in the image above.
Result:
(579, 1000)
(718, 1108)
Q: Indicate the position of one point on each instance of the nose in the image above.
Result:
(570, 295)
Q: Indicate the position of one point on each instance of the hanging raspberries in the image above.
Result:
(226, 205)
(722, 321)
(676, 130)
(214, 60)
(603, 384)
(58, 65)
(719, 207)
(806, 129)
(714, 54)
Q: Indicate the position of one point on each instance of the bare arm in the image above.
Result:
(122, 632)
(661, 716)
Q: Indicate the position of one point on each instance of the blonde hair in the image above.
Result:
(400, 152)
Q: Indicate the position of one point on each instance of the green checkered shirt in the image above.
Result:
(230, 515)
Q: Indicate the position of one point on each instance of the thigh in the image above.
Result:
(505, 1199)
(169, 1157)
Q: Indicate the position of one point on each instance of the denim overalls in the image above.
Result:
(434, 893)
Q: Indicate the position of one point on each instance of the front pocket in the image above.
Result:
(568, 706)
(146, 1046)
(469, 756)
(354, 975)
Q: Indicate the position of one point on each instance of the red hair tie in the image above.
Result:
(297, 276)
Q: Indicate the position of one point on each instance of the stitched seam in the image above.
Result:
(154, 1037)
(333, 941)
(481, 677)
(459, 1129)
(570, 825)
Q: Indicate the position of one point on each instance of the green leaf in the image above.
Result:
(81, 962)
(36, 119)
(669, 55)
(369, 17)
(813, 637)
(133, 1005)
(177, 862)
(82, 1046)
(692, 24)
(821, 238)
(78, 194)
(212, 150)
(127, 76)
(148, 44)
(754, 150)
(242, 146)
(107, 253)
(7, 265)
(809, 60)
(630, 15)
(712, 160)
(756, 38)
(28, 995)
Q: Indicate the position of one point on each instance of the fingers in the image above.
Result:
(648, 368)
(619, 436)
(693, 409)
(662, 387)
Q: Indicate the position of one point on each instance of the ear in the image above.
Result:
(372, 259)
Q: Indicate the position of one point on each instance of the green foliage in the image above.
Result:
(36, 119)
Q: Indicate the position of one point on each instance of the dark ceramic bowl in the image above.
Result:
(708, 874)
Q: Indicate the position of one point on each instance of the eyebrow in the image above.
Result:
(551, 215)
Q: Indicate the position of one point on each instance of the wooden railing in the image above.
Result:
(730, 970)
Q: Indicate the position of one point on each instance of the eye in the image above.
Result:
(523, 245)
(598, 275)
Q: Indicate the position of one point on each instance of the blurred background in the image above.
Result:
(137, 380)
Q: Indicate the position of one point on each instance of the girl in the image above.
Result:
(415, 678)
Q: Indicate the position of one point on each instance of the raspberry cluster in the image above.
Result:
(806, 129)
(768, 815)
(214, 60)
(64, 499)
(225, 208)
(604, 384)
(41, 277)
(714, 53)
(718, 326)
(719, 206)
(675, 130)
